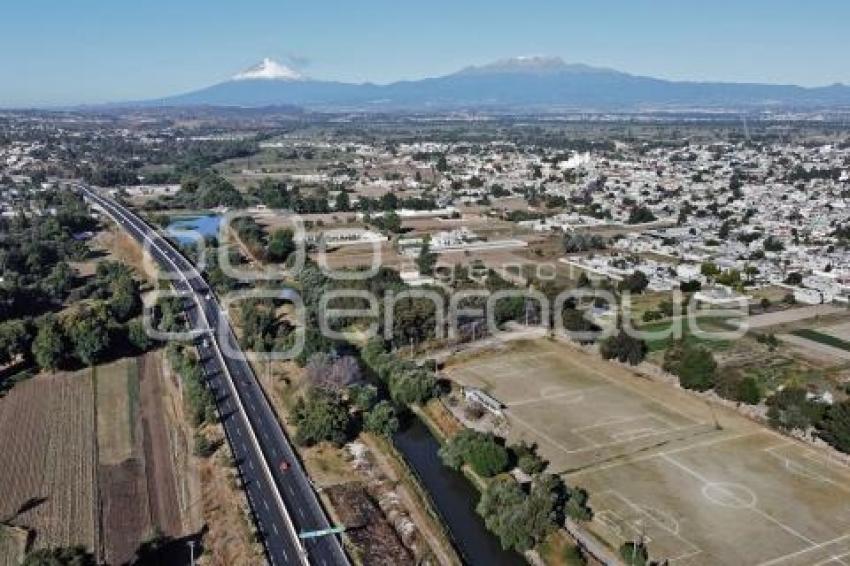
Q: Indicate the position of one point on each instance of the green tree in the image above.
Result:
(480, 450)
(527, 458)
(500, 506)
(709, 269)
(790, 409)
(835, 426)
(125, 300)
(442, 165)
(522, 520)
(15, 340)
(89, 337)
(381, 419)
(391, 222)
(363, 396)
(321, 416)
(138, 337)
(634, 553)
(577, 507)
(60, 280)
(635, 282)
(342, 202)
(640, 215)
(624, 348)
(694, 365)
(281, 245)
(747, 391)
(63, 556)
(427, 259)
(48, 347)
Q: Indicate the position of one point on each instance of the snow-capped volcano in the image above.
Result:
(522, 83)
(269, 69)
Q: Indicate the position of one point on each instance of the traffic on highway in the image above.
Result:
(281, 496)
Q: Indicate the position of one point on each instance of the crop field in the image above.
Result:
(48, 466)
(121, 463)
(840, 331)
(116, 409)
(702, 484)
(823, 338)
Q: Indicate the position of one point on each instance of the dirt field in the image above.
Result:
(793, 315)
(372, 534)
(161, 465)
(705, 485)
(48, 463)
(13, 543)
(121, 469)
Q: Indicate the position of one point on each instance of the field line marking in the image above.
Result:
(803, 551)
(834, 559)
(753, 508)
(625, 385)
(637, 459)
(623, 419)
(689, 548)
(576, 397)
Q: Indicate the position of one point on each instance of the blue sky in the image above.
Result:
(88, 51)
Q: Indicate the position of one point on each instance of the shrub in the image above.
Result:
(694, 365)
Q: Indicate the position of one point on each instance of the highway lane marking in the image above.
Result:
(153, 240)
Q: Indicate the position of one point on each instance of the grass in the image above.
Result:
(132, 394)
(114, 425)
(660, 344)
(559, 550)
(822, 338)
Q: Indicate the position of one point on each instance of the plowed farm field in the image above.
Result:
(48, 463)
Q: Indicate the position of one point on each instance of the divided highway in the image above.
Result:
(281, 495)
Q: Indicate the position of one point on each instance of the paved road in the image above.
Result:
(283, 501)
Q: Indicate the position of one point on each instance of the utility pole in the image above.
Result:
(713, 415)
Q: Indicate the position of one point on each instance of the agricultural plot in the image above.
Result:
(79, 467)
(702, 485)
(115, 411)
(121, 464)
(13, 542)
(840, 331)
(48, 467)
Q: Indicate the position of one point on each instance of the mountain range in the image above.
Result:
(527, 83)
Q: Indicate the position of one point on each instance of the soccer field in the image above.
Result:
(703, 485)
